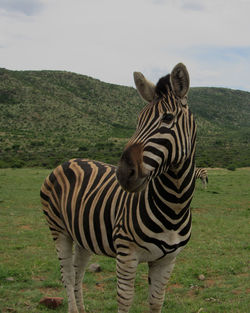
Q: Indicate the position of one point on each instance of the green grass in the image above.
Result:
(219, 249)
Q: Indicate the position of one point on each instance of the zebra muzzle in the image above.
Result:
(130, 173)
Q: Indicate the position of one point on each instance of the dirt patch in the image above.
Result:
(50, 292)
(209, 283)
(236, 292)
(100, 286)
(243, 275)
(26, 227)
(198, 210)
(174, 286)
(38, 278)
(194, 290)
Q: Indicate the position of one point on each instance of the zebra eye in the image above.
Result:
(167, 117)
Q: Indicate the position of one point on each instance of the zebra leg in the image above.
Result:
(158, 276)
(64, 245)
(203, 180)
(81, 259)
(126, 266)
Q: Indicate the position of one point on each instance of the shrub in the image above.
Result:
(82, 148)
(231, 167)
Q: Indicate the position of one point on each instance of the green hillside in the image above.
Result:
(51, 116)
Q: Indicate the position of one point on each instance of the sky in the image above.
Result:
(110, 39)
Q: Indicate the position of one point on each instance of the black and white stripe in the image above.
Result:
(201, 173)
(136, 212)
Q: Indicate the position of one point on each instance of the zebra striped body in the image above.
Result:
(137, 212)
(96, 225)
(201, 173)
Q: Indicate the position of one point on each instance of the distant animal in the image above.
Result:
(136, 212)
(201, 173)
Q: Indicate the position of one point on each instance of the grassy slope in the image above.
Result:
(219, 249)
(223, 126)
(50, 116)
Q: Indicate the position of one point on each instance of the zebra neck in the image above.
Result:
(173, 190)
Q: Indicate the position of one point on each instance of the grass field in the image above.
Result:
(219, 249)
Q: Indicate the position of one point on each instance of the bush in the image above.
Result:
(82, 148)
(231, 167)
(17, 164)
(4, 164)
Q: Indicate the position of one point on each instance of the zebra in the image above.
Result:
(202, 174)
(136, 212)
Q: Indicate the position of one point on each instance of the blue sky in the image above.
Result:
(109, 39)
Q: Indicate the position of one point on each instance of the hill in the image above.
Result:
(51, 116)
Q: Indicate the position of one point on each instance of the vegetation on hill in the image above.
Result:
(51, 116)
(222, 117)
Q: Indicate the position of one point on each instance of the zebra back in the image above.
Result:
(201, 173)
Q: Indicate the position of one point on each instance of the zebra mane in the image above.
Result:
(163, 85)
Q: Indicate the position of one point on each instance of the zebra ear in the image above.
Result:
(145, 88)
(179, 79)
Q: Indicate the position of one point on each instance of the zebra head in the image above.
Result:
(165, 135)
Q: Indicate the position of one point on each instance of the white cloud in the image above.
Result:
(193, 6)
(110, 39)
(27, 7)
